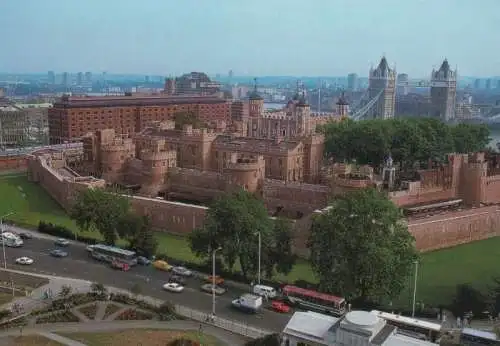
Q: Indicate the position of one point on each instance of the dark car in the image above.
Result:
(61, 242)
(177, 279)
(143, 261)
(58, 253)
(25, 236)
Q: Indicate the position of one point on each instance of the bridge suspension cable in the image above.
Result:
(360, 113)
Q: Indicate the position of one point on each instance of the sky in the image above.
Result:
(250, 37)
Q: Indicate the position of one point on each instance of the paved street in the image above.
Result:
(79, 265)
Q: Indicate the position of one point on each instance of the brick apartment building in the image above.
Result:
(71, 118)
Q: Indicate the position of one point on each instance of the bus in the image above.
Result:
(412, 327)
(475, 337)
(312, 300)
(12, 240)
(112, 254)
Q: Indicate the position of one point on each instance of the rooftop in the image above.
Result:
(310, 324)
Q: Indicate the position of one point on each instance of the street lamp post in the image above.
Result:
(213, 280)
(259, 258)
(3, 250)
(415, 289)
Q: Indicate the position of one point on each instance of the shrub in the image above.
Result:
(268, 340)
(183, 342)
(134, 315)
(5, 313)
(59, 316)
(62, 232)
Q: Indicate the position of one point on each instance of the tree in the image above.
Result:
(137, 231)
(65, 291)
(361, 247)
(233, 223)
(279, 256)
(268, 340)
(467, 299)
(96, 209)
(98, 288)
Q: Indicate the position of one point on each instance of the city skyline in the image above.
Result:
(257, 38)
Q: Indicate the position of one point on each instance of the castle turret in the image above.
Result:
(256, 102)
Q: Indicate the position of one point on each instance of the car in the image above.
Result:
(120, 266)
(178, 279)
(209, 288)
(218, 280)
(183, 271)
(25, 236)
(143, 261)
(58, 253)
(173, 287)
(279, 306)
(24, 261)
(89, 248)
(162, 265)
(61, 242)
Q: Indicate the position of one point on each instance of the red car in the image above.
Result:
(280, 307)
(120, 266)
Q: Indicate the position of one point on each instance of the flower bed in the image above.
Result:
(110, 310)
(15, 323)
(134, 315)
(89, 310)
(58, 316)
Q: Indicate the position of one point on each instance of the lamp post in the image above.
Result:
(213, 280)
(3, 250)
(259, 258)
(415, 289)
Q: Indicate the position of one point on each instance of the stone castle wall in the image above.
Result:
(12, 163)
(431, 233)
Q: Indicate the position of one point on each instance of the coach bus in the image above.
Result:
(474, 337)
(113, 254)
(415, 328)
(312, 300)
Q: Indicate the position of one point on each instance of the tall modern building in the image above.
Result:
(488, 84)
(382, 84)
(65, 79)
(443, 92)
(79, 78)
(352, 82)
(88, 77)
(477, 84)
(51, 77)
(403, 84)
(498, 84)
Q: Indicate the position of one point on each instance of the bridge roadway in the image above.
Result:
(79, 265)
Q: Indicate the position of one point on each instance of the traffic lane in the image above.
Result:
(79, 253)
(151, 285)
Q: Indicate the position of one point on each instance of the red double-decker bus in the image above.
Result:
(312, 300)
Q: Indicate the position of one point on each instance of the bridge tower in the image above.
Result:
(382, 81)
(443, 92)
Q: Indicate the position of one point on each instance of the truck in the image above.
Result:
(248, 303)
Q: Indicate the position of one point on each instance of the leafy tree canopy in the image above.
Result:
(408, 140)
(233, 223)
(96, 209)
(268, 340)
(361, 248)
(137, 231)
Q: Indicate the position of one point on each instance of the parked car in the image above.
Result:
(25, 236)
(120, 266)
(209, 288)
(61, 242)
(173, 287)
(218, 280)
(58, 253)
(143, 261)
(24, 261)
(183, 271)
(162, 265)
(279, 306)
(89, 248)
(178, 279)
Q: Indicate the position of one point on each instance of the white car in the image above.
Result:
(183, 271)
(24, 261)
(173, 287)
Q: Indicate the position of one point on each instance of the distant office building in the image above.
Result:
(488, 84)
(38, 129)
(14, 126)
(443, 92)
(51, 77)
(79, 78)
(352, 82)
(194, 83)
(382, 85)
(498, 84)
(230, 74)
(403, 84)
(65, 79)
(88, 77)
(147, 79)
(477, 84)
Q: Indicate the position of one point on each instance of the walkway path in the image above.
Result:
(48, 330)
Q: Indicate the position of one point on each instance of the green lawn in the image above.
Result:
(439, 271)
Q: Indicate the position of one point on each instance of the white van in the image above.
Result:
(264, 291)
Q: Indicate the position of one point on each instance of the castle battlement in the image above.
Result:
(274, 115)
(246, 164)
(148, 155)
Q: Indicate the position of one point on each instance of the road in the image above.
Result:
(79, 265)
